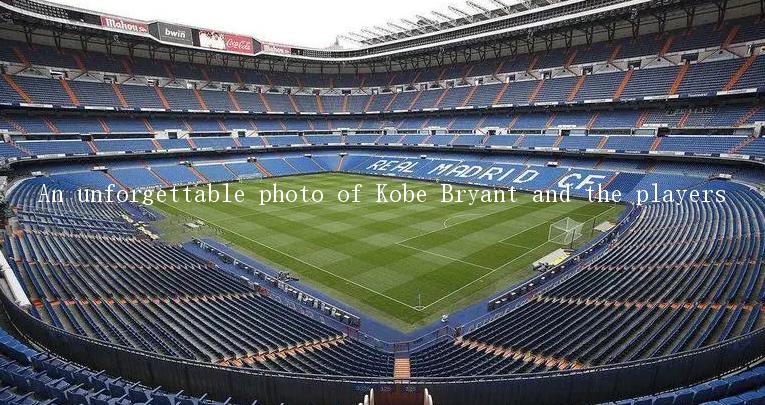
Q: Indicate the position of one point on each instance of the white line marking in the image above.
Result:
(494, 270)
(443, 256)
(481, 278)
(461, 222)
(458, 216)
(301, 261)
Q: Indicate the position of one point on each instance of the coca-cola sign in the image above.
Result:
(119, 23)
(276, 49)
(226, 42)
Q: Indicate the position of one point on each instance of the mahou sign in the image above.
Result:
(122, 24)
(276, 49)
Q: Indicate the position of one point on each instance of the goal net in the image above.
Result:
(565, 231)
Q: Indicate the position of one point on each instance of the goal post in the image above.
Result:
(249, 176)
(565, 231)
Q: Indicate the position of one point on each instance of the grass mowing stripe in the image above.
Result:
(295, 258)
(351, 251)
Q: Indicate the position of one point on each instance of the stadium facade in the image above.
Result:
(627, 96)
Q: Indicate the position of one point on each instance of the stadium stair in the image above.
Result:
(20, 56)
(50, 125)
(186, 124)
(576, 88)
(519, 141)
(21, 148)
(614, 54)
(14, 124)
(623, 85)
(104, 126)
(340, 163)
(501, 93)
(391, 79)
(344, 107)
(200, 176)
(536, 91)
(749, 114)
(264, 101)
(666, 46)
(414, 100)
(656, 143)
(200, 100)
(371, 99)
(168, 71)
(532, 64)
(402, 369)
(558, 141)
(239, 79)
(514, 121)
(262, 169)
(416, 77)
(570, 60)
(479, 124)
(120, 96)
(441, 98)
(498, 70)
(450, 125)
(603, 142)
(148, 126)
(550, 120)
(293, 103)
(127, 67)
(234, 101)
(641, 119)
(679, 78)
(236, 139)
(78, 61)
(115, 181)
(520, 355)
(319, 105)
(191, 143)
(222, 126)
(162, 98)
(684, 119)
(739, 72)
(742, 145)
(156, 144)
(731, 36)
(469, 96)
(12, 83)
(467, 72)
(69, 92)
(294, 350)
(593, 120)
(159, 178)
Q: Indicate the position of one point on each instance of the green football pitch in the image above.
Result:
(404, 264)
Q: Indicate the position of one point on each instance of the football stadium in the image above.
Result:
(509, 202)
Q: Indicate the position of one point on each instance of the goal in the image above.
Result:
(254, 176)
(565, 231)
